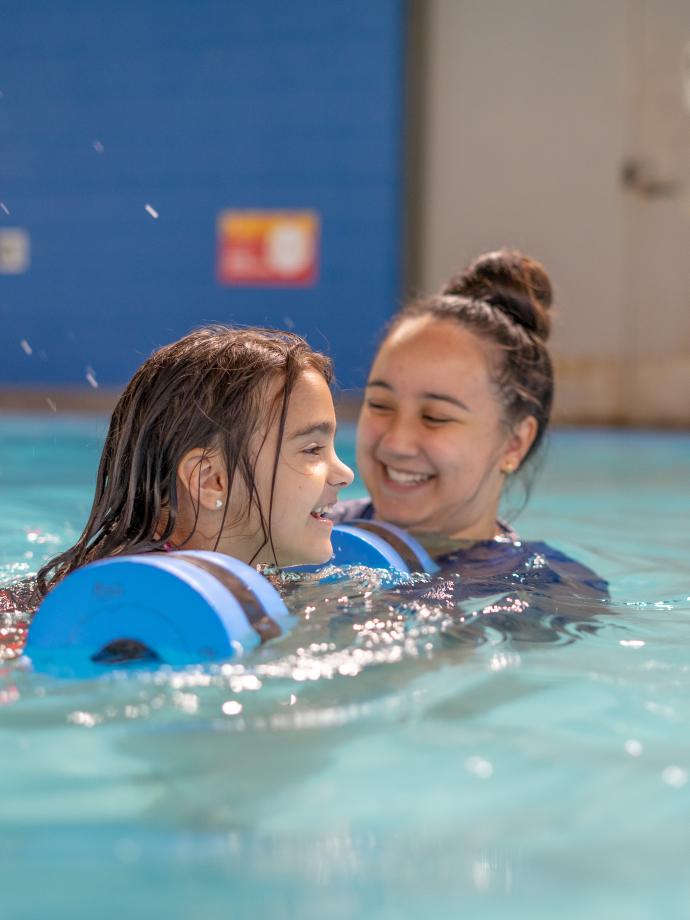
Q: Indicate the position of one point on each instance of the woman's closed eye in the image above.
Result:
(314, 449)
(436, 420)
(377, 406)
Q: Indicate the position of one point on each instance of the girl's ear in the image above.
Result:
(203, 476)
(519, 443)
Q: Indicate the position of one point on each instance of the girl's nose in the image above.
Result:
(341, 474)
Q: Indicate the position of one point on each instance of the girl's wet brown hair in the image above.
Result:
(504, 298)
(211, 389)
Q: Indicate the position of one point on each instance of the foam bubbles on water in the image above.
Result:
(502, 660)
(231, 708)
(633, 747)
(85, 719)
(242, 682)
(186, 702)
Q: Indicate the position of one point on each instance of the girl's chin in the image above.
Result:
(310, 556)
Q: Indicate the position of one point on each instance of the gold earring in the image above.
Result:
(508, 468)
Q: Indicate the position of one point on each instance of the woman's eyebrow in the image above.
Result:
(444, 397)
(326, 428)
(449, 399)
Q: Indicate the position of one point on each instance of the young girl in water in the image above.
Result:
(457, 403)
(221, 441)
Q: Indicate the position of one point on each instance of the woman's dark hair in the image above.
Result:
(503, 297)
(207, 390)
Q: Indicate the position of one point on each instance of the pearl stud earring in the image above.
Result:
(219, 503)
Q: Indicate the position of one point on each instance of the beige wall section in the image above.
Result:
(525, 127)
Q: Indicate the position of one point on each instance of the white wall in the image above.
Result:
(524, 129)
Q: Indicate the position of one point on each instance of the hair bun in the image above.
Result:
(513, 283)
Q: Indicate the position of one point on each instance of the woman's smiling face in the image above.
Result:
(432, 444)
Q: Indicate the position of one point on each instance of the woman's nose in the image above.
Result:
(399, 439)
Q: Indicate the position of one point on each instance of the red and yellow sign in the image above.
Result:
(268, 247)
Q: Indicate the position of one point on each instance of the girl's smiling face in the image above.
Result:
(291, 491)
(433, 448)
(309, 475)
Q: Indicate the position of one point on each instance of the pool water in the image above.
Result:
(354, 769)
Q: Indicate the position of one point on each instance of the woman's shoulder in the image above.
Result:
(525, 562)
(568, 569)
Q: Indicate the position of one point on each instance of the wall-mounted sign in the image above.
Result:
(15, 251)
(268, 247)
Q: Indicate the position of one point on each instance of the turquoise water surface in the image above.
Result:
(362, 770)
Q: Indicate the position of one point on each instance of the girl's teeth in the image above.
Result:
(400, 476)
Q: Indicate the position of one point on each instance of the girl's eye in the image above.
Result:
(314, 450)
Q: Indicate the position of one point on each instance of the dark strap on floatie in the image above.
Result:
(262, 624)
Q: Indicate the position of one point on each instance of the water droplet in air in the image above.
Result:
(25, 347)
(633, 747)
(674, 776)
(480, 767)
(98, 146)
(4, 207)
(152, 211)
(91, 377)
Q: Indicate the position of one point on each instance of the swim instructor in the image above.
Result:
(457, 402)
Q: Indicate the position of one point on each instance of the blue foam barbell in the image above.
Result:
(186, 607)
(379, 545)
(177, 608)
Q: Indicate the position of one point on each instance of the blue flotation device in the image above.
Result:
(379, 545)
(175, 608)
(188, 607)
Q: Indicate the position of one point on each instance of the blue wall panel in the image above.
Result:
(200, 106)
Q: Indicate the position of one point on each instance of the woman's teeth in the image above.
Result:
(321, 511)
(408, 478)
